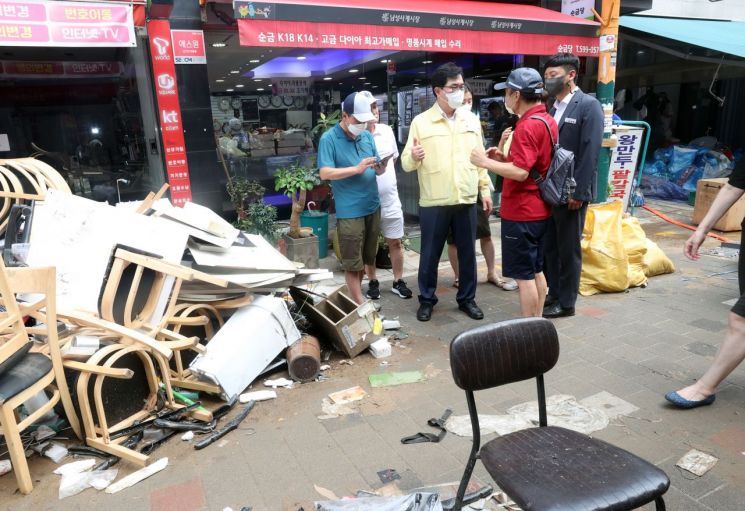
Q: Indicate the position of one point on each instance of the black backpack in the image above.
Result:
(558, 186)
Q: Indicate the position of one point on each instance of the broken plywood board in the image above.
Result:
(199, 217)
(253, 336)
(256, 254)
(77, 236)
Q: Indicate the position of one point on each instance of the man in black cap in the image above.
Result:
(524, 212)
(580, 120)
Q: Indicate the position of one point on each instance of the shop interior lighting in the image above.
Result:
(228, 90)
(354, 70)
(426, 62)
(239, 86)
(219, 80)
(234, 72)
(219, 45)
(260, 89)
(384, 61)
(362, 78)
(258, 80)
(95, 131)
(254, 61)
(327, 78)
(301, 57)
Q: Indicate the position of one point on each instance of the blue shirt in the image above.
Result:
(355, 196)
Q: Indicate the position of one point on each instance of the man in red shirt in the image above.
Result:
(524, 213)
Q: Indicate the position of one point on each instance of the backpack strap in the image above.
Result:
(534, 174)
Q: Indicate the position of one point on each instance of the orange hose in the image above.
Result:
(685, 226)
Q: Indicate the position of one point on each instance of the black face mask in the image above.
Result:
(554, 86)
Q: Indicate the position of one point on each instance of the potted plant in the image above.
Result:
(254, 215)
(295, 181)
(323, 124)
(243, 193)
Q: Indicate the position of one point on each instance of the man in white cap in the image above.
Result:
(348, 159)
(391, 211)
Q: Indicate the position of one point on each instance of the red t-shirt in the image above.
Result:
(531, 148)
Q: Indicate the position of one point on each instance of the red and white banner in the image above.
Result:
(623, 161)
(169, 110)
(75, 24)
(302, 34)
(38, 69)
(188, 47)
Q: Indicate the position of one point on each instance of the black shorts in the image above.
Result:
(522, 248)
(482, 224)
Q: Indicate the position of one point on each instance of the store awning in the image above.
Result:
(415, 25)
(723, 36)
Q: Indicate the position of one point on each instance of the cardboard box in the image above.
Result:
(347, 325)
(706, 192)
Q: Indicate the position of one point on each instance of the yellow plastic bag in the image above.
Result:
(655, 261)
(635, 244)
(605, 265)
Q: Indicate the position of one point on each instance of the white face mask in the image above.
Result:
(455, 98)
(357, 129)
(508, 108)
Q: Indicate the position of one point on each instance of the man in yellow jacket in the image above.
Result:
(438, 149)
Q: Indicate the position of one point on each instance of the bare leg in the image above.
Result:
(487, 249)
(354, 283)
(453, 258)
(371, 272)
(731, 353)
(396, 252)
(541, 287)
(531, 304)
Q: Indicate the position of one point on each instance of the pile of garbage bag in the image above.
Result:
(675, 171)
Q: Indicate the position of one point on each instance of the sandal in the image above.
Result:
(503, 284)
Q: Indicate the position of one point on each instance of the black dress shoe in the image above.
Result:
(471, 309)
(550, 301)
(425, 311)
(557, 311)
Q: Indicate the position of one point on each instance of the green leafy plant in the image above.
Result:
(295, 181)
(259, 218)
(243, 193)
(323, 124)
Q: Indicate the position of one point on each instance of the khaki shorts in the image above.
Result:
(358, 240)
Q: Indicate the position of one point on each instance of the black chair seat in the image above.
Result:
(32, 368)
(555, 469)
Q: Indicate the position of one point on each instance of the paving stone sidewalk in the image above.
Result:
(635, 345)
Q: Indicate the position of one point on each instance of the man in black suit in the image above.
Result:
(580, 120)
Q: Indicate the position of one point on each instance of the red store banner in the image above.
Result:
(301, 34)
(171, 129)
(74, 24)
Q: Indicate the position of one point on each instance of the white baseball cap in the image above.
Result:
(357, 104)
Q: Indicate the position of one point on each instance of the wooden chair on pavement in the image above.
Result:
(547, 467)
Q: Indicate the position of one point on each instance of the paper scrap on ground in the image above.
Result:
(391, 324)
(279, 382)
(258, 395)
(332, 411)
(390, 379)
(5, 467)
(612, 405)
(326, 494)
(697, 462)
(138, 476)
(75, 482)
(348, 395)
(189, 435)
(75, 467)
(563, 410)
(412, 502)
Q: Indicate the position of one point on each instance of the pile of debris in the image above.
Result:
(144, 317)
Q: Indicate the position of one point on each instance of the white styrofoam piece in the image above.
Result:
(136, 477)
(253, 336)
(75, 467)
(258, 395)
(77, 235)
(381, 348)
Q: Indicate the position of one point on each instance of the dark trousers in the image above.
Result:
(563, 261)
(435, 222)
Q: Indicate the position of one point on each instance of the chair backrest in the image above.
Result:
(14, 340)
(505, 352)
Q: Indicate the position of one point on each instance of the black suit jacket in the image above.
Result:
(581, 131)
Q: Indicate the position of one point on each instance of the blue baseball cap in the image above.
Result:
(523, 79)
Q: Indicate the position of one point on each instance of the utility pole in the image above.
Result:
(606, 86)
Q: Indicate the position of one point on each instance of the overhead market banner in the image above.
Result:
(73, 24)
(485, 28)
(40, 70)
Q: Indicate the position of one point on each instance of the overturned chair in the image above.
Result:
(545, 468)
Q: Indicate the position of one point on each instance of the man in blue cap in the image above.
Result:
(348, 159)
(524, 212)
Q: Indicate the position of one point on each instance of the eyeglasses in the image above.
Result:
(451, 88)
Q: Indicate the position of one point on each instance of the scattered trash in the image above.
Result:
(391, 324)
(5, 467)
(43, 432)
(258, 395)
(505, 503)
(74, 483)
(346, 363)
(563, 410)
(391, 379)
(326, 494)
(697, 462)
(377, 326)
(413, 502)
(75, 467)
(430, 437)
(333, 411)
(189, 435)
(388, 475)
(381, 348)
(304, 359)
(229, 426)
(325, 367)
(349, 395)
(431, 372)
(613, 406)
(55, 452)
(136, 477)
(279, 382)
(384, 363)
(400, 336)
